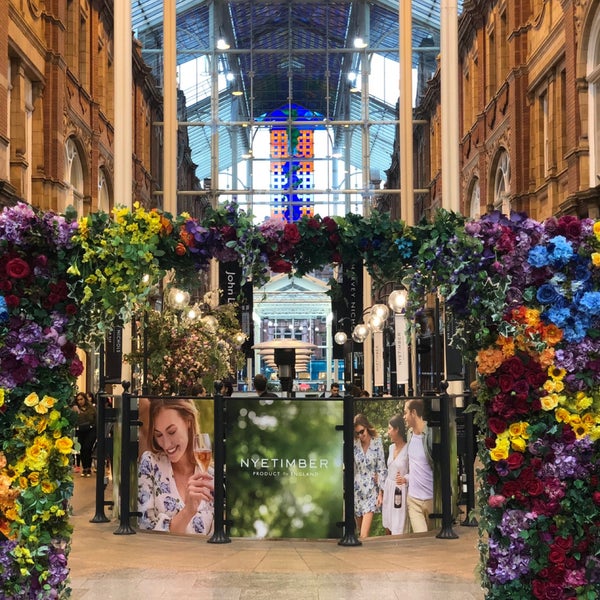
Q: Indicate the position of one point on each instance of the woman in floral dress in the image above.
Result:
(369, 474)
(174, 493)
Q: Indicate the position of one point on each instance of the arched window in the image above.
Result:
(103, 192)
(593, 78)
(474, 199)
(74, 177)
(502, 183)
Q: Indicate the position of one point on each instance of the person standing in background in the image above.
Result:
(420, 466)
(393, 510)
(369, 474)
(86, 430)
(260, 385)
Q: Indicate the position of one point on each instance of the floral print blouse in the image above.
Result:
(159, 500)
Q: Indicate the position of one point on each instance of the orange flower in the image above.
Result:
(180, 249)
(186, 237)
(547, 357)
(489, 360)
(166, 225)
(552, 334)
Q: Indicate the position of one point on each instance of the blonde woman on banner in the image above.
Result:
(175, 492)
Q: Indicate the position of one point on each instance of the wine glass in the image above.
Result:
(202, 451)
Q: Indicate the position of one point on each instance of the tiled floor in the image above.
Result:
(149, 566)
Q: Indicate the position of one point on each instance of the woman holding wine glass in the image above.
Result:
(175, 479)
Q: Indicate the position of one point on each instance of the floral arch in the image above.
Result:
(526, 296)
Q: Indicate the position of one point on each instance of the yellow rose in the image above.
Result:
(34, 478)
(23, 483)
(31, 400)
(41, 409)
(64, 445)
(518, 444)
(517, 429)
(597, 229)
(499, 453)
(48, 401)
(48, 487)
(596, 259)
(562, 415)
(549, 402)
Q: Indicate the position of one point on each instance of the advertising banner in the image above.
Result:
(113, 355)
(171, 463)
(397, 451)
(284, 468)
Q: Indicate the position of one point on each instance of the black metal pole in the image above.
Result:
(470, 520)
(446, 532)
(220, 535)
(125, 485)
(349, 538)
(100, 517)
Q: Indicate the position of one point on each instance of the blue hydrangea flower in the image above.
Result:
(538, 257)
(3, 309)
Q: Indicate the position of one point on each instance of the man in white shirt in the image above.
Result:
(420, 466)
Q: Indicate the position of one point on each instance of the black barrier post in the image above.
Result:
(349, 538)
(446, 476)
(101, 419)
(219, 536)
(125, 486)
(470, 520)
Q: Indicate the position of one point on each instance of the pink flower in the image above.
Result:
(496, 501)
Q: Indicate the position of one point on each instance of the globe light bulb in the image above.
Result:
(397, 301)
(340, 338)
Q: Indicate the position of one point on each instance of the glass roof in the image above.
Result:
(284, 52)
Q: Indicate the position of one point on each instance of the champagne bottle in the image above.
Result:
(397, 498)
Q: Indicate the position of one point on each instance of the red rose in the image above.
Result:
(513, 366)
(596, 498)
(17, 268)
(514, 460)
(280, 266)
(510, 488)
(564, 542)
(12, 301)
(71, 309)
(556, 555)
(76, 367)
(535, 487)
(313, 223)
(291, 233)
(491, 381)
(6, 285)
(228, 232)
(497, 425)
(329, 224)
(506, 382)
(336, 257)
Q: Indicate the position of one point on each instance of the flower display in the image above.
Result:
(182, 353)
(539, 410)
(525, 297)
